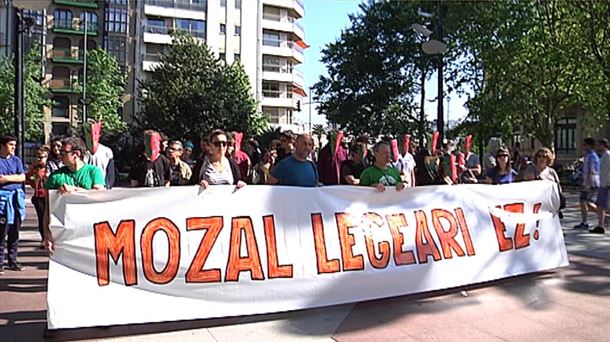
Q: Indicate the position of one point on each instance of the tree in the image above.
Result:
(36, 97)
(191, 93)
(376, 70)
(105, 89)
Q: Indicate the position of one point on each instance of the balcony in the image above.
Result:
(281, 48)
(278, 98)
(75, 29)
(67, 56)
(282, 74)
(295, 6)
(283, 24)
(171, 9)
(151, 61)
(63, 86)
(160, 34)
(201, 6)
(78, 3)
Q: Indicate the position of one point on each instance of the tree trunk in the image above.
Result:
(422, 113)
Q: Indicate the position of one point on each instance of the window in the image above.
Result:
(117, 47)
(237, 4)
(91, 19)
(271, 63)
(237, 30)
(60, 129)
(156, 25)
(60, 107)
(116, 20)
(272, 13)
(62, 18)
(565, 133)
(195, 27)
(118, 2)
(271, 38)
(223, 29)
(237, 57)
(223, 3)
(222, 56)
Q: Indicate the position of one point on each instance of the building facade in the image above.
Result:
(264, 35)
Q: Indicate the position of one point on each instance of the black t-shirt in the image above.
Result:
(349, 167)
(149, 173)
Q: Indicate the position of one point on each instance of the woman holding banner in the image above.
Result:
(216, 167)
(502, 173)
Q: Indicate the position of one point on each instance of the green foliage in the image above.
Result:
(527, 63)
(36, 97)
(191, 93)
(105, 89)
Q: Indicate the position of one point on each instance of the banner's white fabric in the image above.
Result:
(163, 254)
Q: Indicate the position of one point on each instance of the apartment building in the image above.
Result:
(264, 35)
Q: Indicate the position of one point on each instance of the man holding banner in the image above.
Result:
(296, 169)
(74, 176)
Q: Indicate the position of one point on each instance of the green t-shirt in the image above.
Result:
(86, 177)
(373, 175)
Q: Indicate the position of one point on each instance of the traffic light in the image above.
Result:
(299, 106)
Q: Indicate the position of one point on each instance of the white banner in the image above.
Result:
(149, 255)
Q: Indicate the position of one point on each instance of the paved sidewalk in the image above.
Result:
(570, 304)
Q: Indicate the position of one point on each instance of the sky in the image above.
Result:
(323, 21)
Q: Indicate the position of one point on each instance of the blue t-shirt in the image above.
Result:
(290, 171)
(590, 169)
(497, 178)
(11, 166)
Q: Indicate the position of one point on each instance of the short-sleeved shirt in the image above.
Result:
(349, 167)
(85, 177)
(472, 161)
(290, 171)
(12, 165)
(374, 175)
(497, 178)
(590, 170)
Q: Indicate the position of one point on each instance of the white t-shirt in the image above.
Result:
(213, 176)
(101, 158)
(406, 165)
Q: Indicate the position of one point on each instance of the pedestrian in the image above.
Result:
(604, 186)
(99, 154)
(382, 174)
(489, 162)
(541, 169)
(590, 181)
(54, 162)
(36, 177)
(352, 168)
(405, 164)
(74, 176)
(296, 169)
(216, 168)
(12, 202)
(330, 158)
(180, 171)
(286, 145)
(187, 154)
(502, 173)
(151, 168)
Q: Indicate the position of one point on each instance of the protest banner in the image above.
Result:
(163, 254)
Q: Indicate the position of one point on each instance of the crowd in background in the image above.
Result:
(77, 164)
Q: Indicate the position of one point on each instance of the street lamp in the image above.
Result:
(22, 25)
(435, 47)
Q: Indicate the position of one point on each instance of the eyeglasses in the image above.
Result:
(219, 143)
(172, 149)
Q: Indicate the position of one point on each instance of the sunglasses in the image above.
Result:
(219, 143)
(65, 153)
(502, 155)
(172, 149)
(41, 157)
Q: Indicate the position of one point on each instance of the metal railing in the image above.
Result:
(157, 29)
(67, 54)
(300, 2)
(194, 6)
(152, 57)
(278, 94)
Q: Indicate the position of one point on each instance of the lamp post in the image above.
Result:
(21, 26)
(435, 47)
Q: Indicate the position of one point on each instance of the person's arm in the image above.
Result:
(488, 180)
(48, 237)
(16, 178)
(351, 180)
(272, 180)
(110, 174)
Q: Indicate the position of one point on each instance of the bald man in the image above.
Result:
(296, 169)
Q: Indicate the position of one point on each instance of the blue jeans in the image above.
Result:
(9, 235)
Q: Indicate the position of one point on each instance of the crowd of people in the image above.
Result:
(78, 164)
